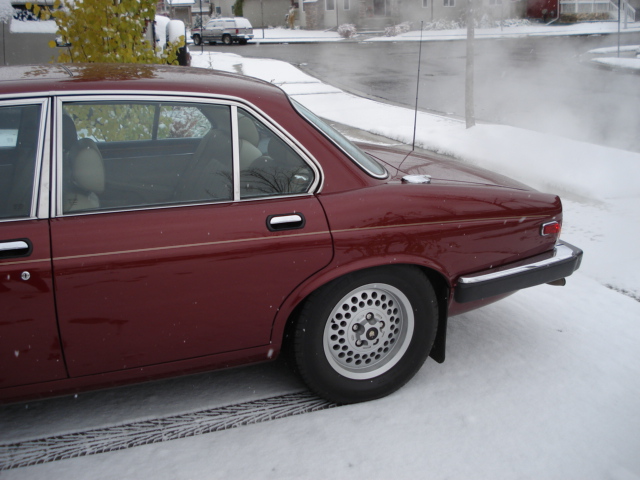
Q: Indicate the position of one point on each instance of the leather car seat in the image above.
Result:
(209, 174)
(84, 177)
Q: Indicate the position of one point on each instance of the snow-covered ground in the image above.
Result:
(514, 31)
(285, 35)
(544, 384)
(626, 58)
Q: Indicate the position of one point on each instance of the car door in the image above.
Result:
(213, 30)
(143, 280)
(29, 344)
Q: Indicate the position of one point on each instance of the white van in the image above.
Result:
(225, 30)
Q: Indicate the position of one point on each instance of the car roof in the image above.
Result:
(243, 22)
(28, 80)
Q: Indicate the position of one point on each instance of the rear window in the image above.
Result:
(243, 23)
(362, 159)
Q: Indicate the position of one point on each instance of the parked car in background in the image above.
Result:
(225, 30)
(159, 220)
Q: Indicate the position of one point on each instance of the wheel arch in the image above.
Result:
(288, 313)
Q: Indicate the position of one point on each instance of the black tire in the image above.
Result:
(365, 335)
(197, 40)
(226, 39)
(242, 42)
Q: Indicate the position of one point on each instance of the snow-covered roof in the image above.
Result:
(177, 3)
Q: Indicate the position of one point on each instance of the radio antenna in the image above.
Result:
(415, 116)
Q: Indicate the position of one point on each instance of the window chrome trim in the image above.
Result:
(39, 200)
(183, 97)
(159, 206)
(235, 153)
(44, 197)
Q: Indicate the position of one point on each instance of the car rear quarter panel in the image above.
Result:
(451, 230)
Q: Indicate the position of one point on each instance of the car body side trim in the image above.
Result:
(274, 237)
(461, 221)
(544, 268)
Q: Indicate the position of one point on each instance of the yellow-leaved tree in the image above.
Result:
(107, 31)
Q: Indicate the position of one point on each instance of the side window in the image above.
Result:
(104, 122)
(181, 121)
(120, 155)
(268, 165)
(19, 130)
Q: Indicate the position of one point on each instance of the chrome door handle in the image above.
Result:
(15, 248)
(285, 222)
(13, 245)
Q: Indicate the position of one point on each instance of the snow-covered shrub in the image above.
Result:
(486, 22)
(483, 22)
(347, 30)
(442, 25)
(397, 29)
(516, 22)
(6, 11)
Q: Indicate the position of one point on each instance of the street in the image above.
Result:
(534, 83)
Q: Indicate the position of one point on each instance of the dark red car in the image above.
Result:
(157, 221)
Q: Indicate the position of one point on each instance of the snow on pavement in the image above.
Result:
(541, 385)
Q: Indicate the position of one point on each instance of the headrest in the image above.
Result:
(247, 131)
(88, 167)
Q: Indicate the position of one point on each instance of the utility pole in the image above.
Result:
(468, 88)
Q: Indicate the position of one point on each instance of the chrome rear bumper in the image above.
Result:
(547, 267)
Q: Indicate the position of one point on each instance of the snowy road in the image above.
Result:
(535, 83)
(544, 384)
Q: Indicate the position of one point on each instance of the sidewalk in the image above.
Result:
(606, 58)
(284, 35)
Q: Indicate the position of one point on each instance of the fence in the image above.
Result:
(598, 6)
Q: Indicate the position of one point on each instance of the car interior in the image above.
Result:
(18, 148)
(183, 155)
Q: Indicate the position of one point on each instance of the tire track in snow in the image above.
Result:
(121, 437)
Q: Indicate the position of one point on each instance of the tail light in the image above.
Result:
(550, 228)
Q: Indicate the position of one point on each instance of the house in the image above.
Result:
(176, 9)
(372, 14)
(583, 10)
(206, 9)
(23, 37)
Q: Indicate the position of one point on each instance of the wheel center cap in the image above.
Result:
(372, 334)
